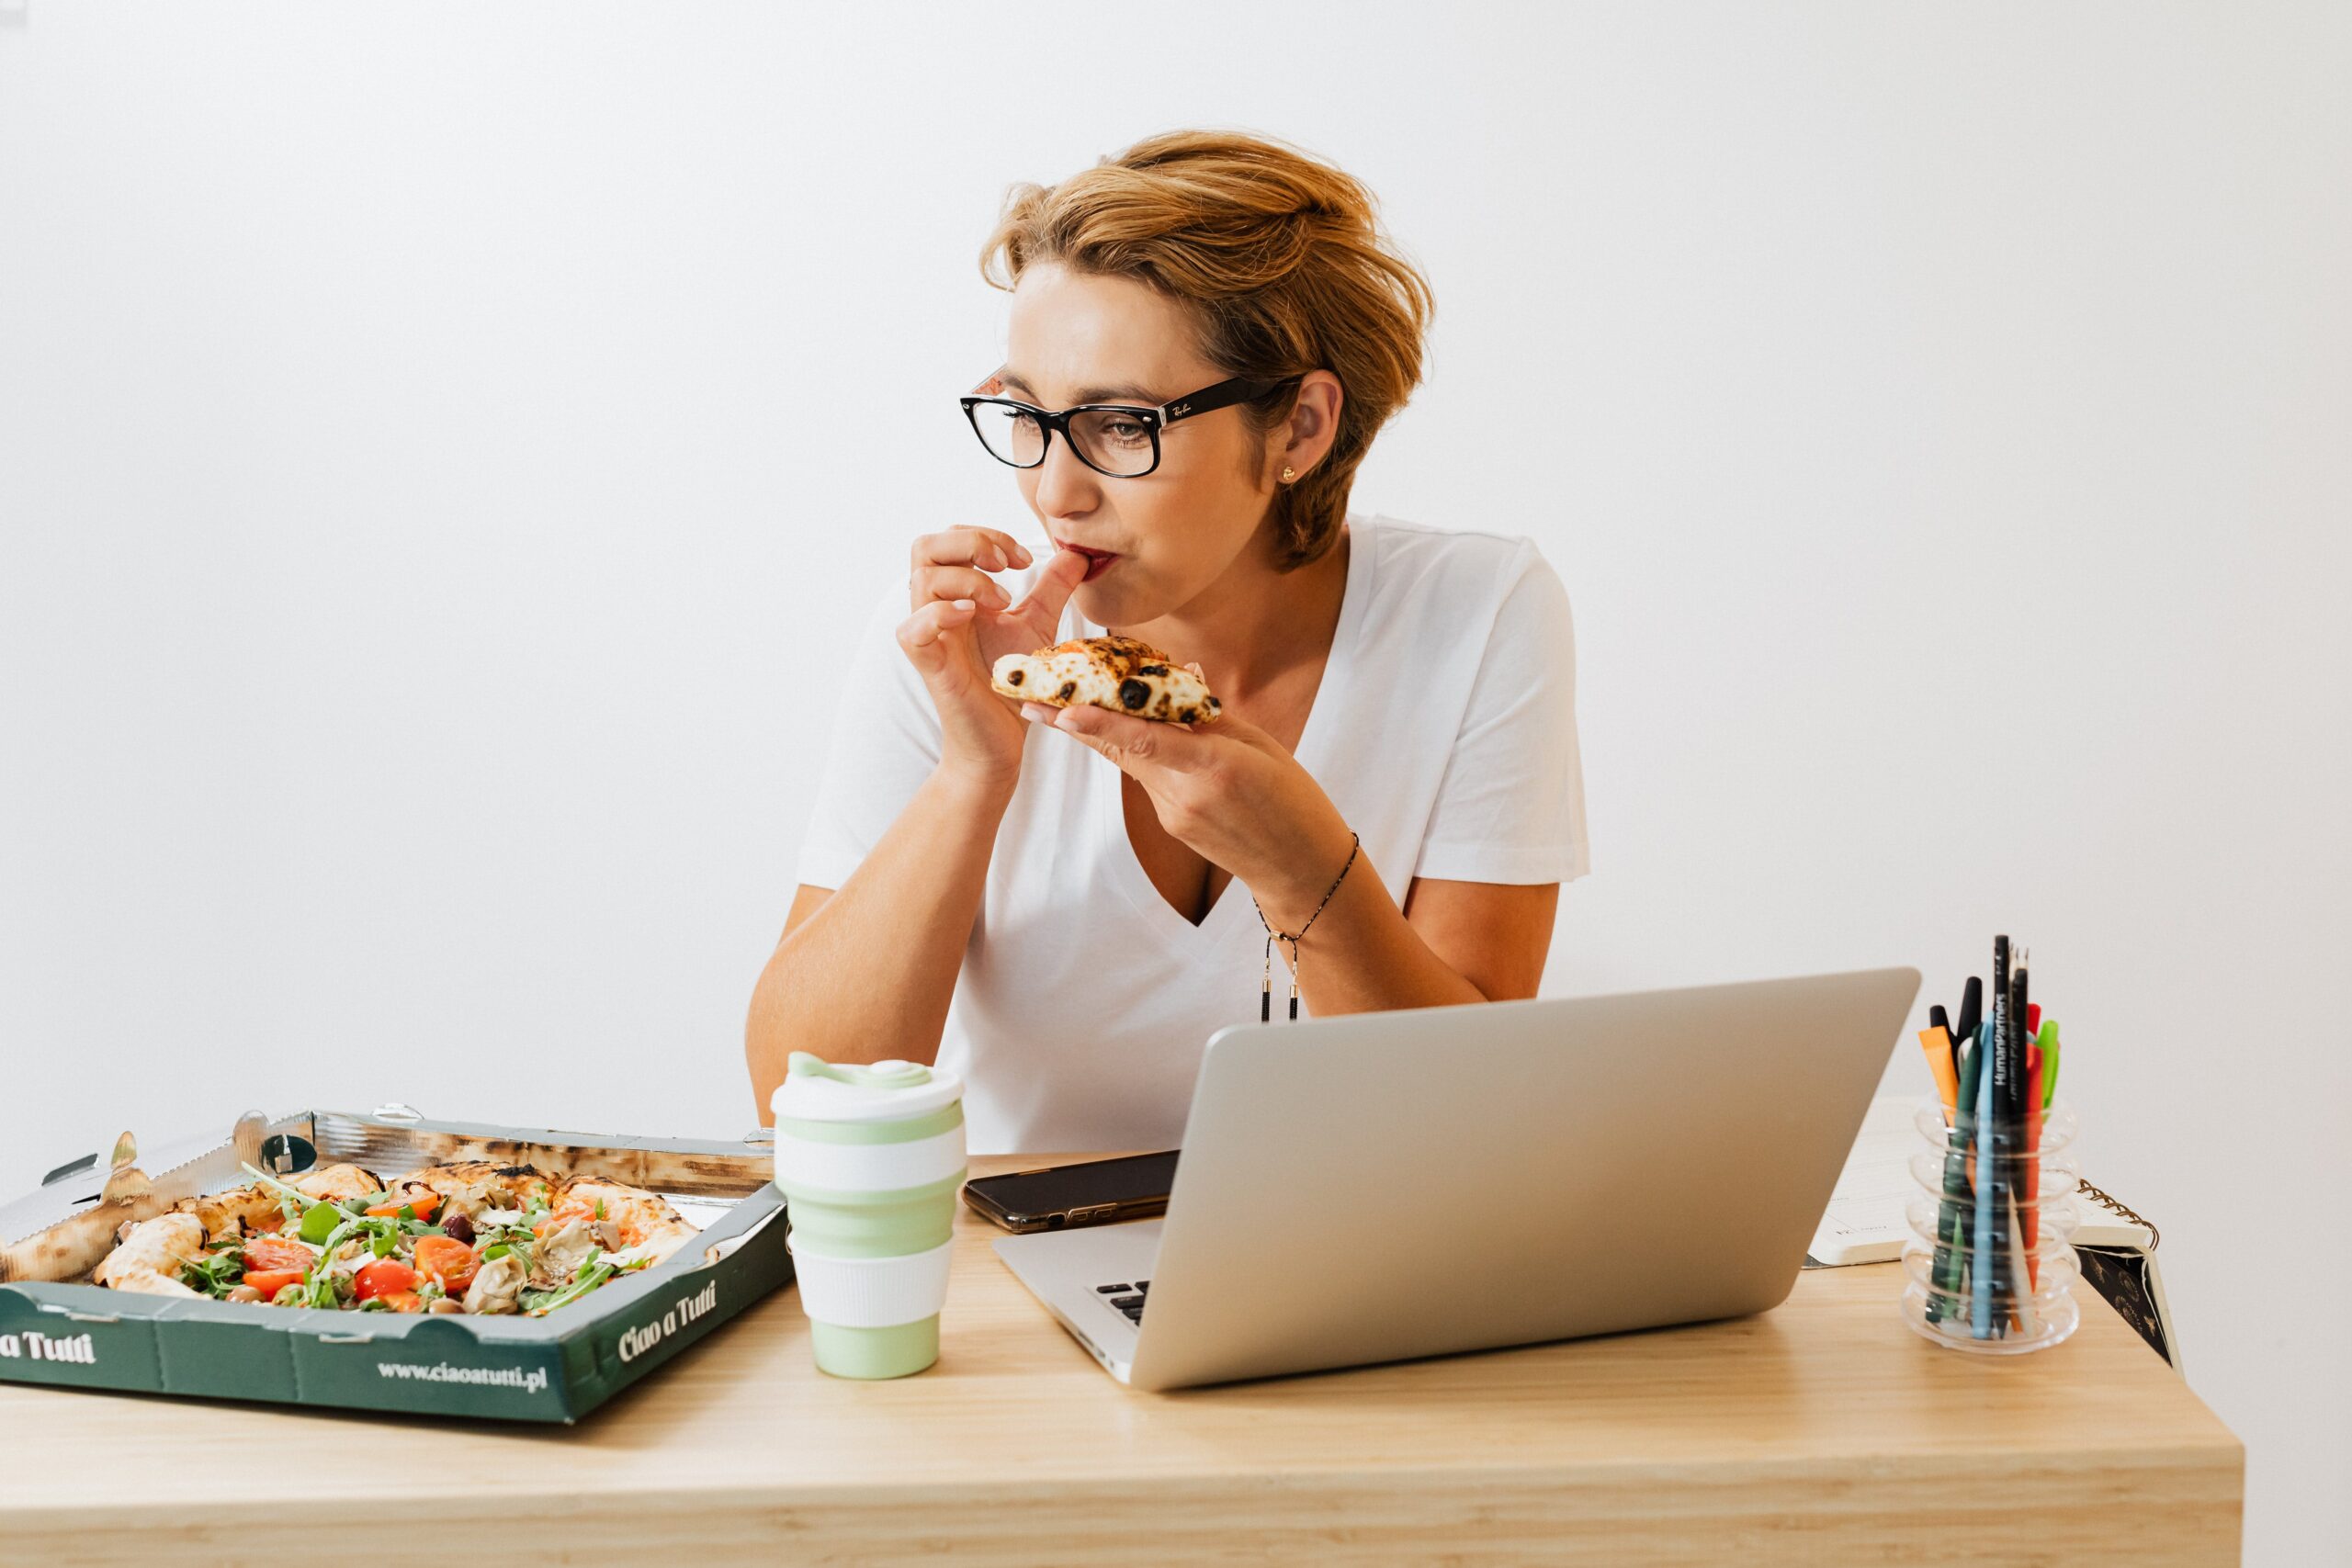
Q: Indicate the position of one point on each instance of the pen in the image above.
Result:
(2031, 1208)
(2012, 1139)
(1972, 1009)
(2048, 1062)
(1987, 1316)
(2020, 1302)
(1986, 1171)
(1950, 1238)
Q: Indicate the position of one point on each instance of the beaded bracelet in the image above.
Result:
(1266, 989)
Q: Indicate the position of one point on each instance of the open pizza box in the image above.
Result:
(57, 1328)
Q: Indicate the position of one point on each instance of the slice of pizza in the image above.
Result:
(1115, 672)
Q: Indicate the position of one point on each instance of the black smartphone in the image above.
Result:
(1096, 1192)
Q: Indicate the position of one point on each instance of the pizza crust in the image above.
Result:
(1115, 672)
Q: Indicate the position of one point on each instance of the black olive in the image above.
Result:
(456, 1227)
(1134, 694)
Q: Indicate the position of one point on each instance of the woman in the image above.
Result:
(1045, 899)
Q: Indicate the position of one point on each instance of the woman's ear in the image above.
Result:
(1312, 426)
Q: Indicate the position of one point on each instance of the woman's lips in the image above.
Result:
(1097, 561)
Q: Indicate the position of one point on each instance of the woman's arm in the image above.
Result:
(1452, 942)
(1235, 795)
(865, 973)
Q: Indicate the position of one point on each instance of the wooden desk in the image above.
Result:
(1821, 1432)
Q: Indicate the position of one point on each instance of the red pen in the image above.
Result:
(2032, 1217)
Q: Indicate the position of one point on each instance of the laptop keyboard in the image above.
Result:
(1128, 1299)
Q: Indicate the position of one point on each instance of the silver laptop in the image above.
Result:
(1391, 1185)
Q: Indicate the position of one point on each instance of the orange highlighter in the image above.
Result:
(1936, 1044)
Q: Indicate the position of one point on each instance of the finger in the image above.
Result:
(1052, 589)
(929, 582)
(919, 633)
(991, 549)
(1135, 744)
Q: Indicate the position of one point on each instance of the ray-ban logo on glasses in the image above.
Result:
(1180, 411)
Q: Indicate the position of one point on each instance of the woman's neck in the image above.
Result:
(1254, 623)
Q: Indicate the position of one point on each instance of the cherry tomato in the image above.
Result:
(386, 1276)
(451, 1262)
(403, 1300)
(422, 1205)
(269, 1281)
(268, 1255)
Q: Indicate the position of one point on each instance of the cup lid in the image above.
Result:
(817, 1090)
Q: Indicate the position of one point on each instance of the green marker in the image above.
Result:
(2048, 1041)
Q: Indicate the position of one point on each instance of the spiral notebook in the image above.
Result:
(1865, 1224)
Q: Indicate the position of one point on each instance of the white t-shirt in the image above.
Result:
(1444, 731)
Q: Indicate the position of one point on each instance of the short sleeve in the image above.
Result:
(1510, 807)
(886, 742)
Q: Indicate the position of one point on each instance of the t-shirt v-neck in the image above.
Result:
(1109, 807)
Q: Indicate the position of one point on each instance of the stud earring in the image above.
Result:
(1289, 473)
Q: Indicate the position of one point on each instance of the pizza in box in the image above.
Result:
(473, 1238)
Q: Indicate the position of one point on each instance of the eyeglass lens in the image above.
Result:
(1114, 442)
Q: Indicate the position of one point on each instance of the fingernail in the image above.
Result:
(1025, 556)
(963, 603)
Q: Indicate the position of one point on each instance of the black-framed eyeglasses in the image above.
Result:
(1119, 440)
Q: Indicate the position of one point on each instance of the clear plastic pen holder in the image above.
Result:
(1989, 1265)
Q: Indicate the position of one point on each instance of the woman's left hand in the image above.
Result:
(1231, 792)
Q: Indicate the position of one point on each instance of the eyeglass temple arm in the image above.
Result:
(1225, 394)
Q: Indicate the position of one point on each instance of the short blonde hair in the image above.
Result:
(1284, 265)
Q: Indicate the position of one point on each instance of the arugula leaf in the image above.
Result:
(321, 1222)
(537, 1301)
(216, 1274)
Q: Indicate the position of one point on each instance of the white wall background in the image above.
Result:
(443, 452)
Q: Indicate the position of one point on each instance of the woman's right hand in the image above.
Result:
(963, 623)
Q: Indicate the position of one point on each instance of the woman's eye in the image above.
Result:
(1124, 430)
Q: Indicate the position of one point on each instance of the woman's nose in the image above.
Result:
(1065, 486)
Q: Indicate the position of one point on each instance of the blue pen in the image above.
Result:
(1980, 1270)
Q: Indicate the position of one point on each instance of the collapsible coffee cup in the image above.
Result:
(869, 1156)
